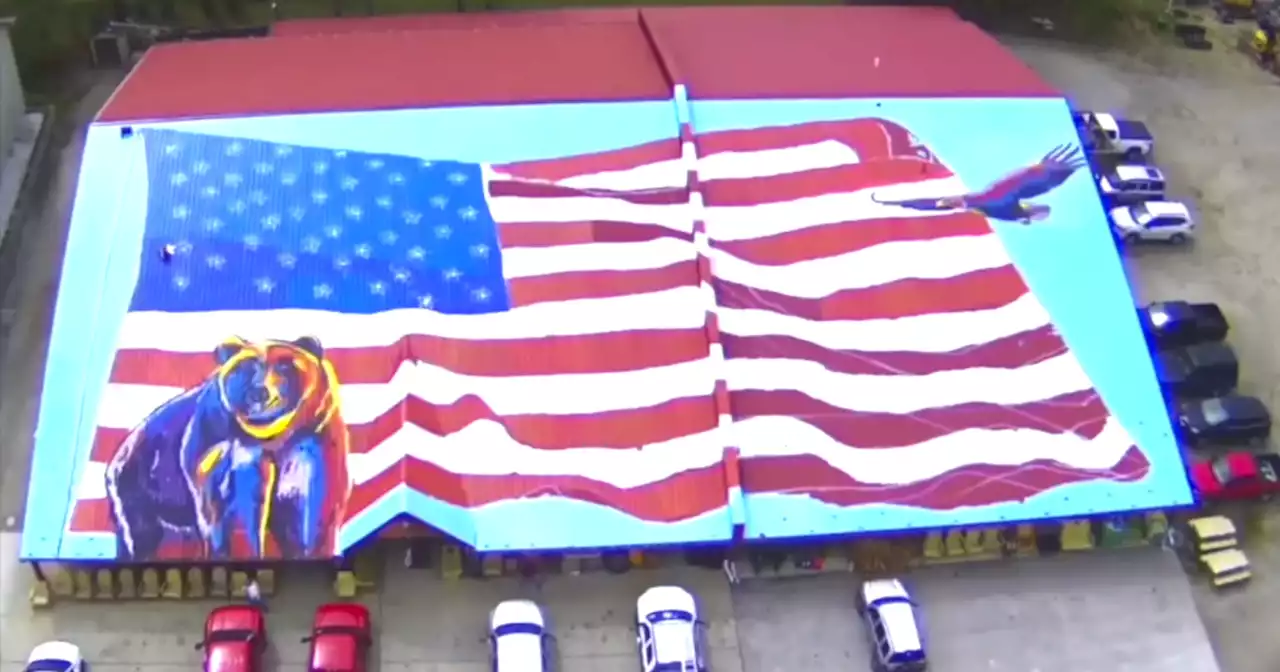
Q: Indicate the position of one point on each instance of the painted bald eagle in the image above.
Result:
(1009, 199)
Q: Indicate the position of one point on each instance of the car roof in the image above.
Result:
(234, 617)
(1105, 120)
(520, 652)
(1240, 404)
(665, 598)
(1167, 208)
(1128, 171)
(516, 611)
(900, 625)
(878, 589)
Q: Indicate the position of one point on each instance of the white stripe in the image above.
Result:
(681, 308)
(860, 269)
(757, 437)
(902, 394)
(530, 262)
(124, 406)
(746, 222)
(941, 332)
(673, 173)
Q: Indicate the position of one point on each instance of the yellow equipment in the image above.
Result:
(1227, 567)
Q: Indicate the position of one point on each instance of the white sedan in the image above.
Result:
(55, 657)
(1164, 221)
(669, 634)
(518, 639)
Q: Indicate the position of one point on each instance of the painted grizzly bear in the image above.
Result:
(258, 447)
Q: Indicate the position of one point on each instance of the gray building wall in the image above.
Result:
(13, 106)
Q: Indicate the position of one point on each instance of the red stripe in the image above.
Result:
(552, 234)
(1010, 352)
(870, 137)
(975, 485)
(598, 162)
(551, 355)
(680, 497)
(841, 238)
(810, 183)
(600, 284)
(1081, 413)
(980, 290)
(518, 189)
(623, 429)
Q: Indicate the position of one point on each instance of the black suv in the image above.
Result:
(1202, 370)
(1172, 324)
(1233, 419)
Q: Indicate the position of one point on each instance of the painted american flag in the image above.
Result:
(557, 328)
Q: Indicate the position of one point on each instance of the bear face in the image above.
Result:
(264, 385)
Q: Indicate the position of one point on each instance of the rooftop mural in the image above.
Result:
(307, 326)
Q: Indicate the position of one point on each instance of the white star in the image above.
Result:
(322, 291)
(288, 179)
(340, 154)
(340, 262)
(287, 260)
(209, 191)
(451, 274)
(320, 167)
(468, 213)
(297, 212)
(384, 202)
(283, 150)
(427, 164)
(333, 230)
(215, 261)
(411, 217)
(481, 295)
(374, 164)
(349, 183)
(178, 179)
(388, 237)
(212, 224)
(480, 251)
(417, 253)
(439, 202)
(235, 149)
(311, 245)
(271, 222)
(237, 206)
(319, 197)
(354, 212)
(252, 241)
(457, 178)
(233, 179)
(181, 282)
(425, 301)
(181, 212)
(377, 287)
(443, 231)
(201, 167)
(395, 178)
(400, 275)
(364, 250)
(265, 285)
(172, 149)
(183, 247)
(258, 197)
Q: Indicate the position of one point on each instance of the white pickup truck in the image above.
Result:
(1108, 134)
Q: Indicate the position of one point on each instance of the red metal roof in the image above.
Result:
(569, 56)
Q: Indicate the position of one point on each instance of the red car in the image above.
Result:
(1237, 476)
(340, 638)
(234, 639)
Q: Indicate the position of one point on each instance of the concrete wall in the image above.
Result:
(12, 104)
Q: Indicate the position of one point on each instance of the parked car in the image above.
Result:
(1129, 183)
(1171, 324)
(1155, 221)
(1201, 370)
(1230, 419)
(1108, 134)
(235, 637)
(518, 639)
(669, 634)
(341, 634)
(1237, 476)
(55, 656)
(894, 631)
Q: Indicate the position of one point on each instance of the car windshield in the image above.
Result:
(229, 636)
(1140, 214)
(1221, 468)
(517, 629)
(1214, 412)
(48, 665)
